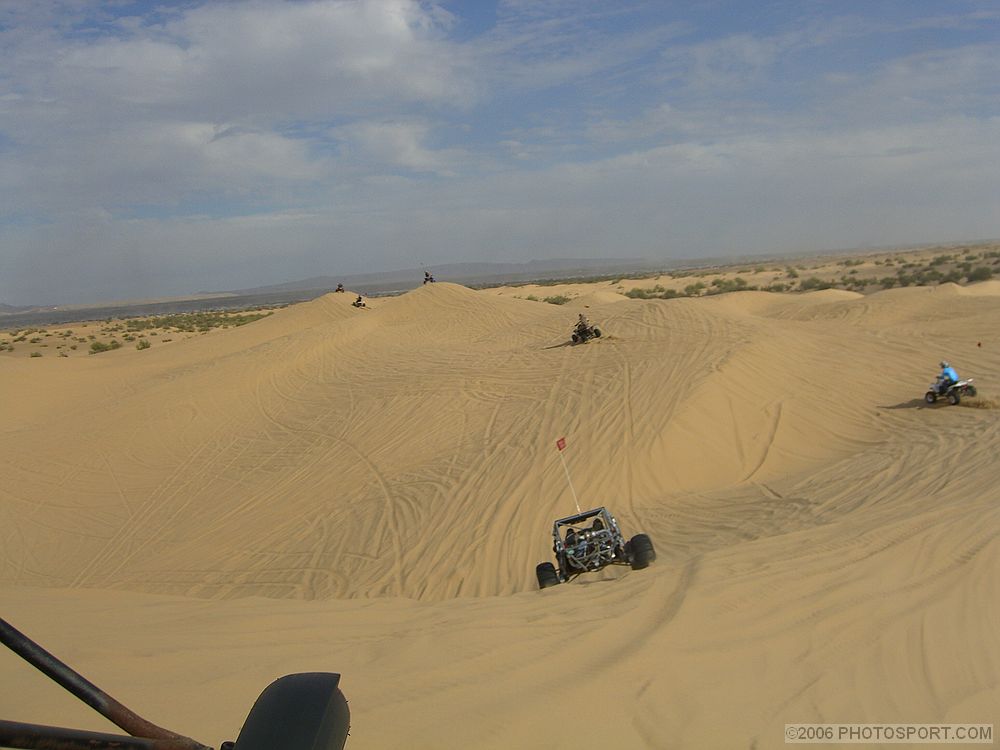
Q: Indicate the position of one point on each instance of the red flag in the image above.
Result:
(561, 443)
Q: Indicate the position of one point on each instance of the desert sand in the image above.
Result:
(368, 492)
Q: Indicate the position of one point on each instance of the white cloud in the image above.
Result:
(279, 140)
(730, 62)
(133, 116)
(270, 62)
(399, 144)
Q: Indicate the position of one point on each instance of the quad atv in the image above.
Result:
(954, 393)
(589, 541)
(584, 333)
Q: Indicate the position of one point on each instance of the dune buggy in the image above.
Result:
(589, 541)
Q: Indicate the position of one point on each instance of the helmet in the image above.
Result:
(943, 364)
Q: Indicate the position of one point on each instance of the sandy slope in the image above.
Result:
(368, 491)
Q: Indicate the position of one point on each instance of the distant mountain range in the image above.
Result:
(390, 282)
(290, 292)
(10, 309)
(462, 273)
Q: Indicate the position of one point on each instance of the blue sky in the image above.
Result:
(151, 149)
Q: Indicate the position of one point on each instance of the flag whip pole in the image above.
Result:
(560, 444)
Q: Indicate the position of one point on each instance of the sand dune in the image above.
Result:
(368, 491)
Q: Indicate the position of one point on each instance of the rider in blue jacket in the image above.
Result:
(947, 378)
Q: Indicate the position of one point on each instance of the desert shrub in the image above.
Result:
(63, 354)
(952, 276)
(199, 321)
(888, 282)
(792, 273)
(531, 297)
(657, 292)
(693, 290)
(654, 293)
(777, 287)
(35, 354)
(981, 274)
(728, 285)
(143, 344)
(73, 347)
(558, 299)
(928, 276)
(99, 346)
(637, 293)
(814, 282)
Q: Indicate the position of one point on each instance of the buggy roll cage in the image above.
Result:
(577, 518)
(296, 712)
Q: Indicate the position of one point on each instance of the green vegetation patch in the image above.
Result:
(192, 322)
(99, 346)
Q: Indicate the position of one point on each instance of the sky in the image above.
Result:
(151, 149)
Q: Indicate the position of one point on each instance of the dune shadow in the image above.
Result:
(915, 403)
(592, 342)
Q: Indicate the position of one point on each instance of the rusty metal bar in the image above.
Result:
(39, 737)
(89, 693)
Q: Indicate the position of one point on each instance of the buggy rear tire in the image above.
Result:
(546, 574)
(954, 399)
(930, 397)
(640, 552)
(597, 333)
(576, 338)
(971, 391)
